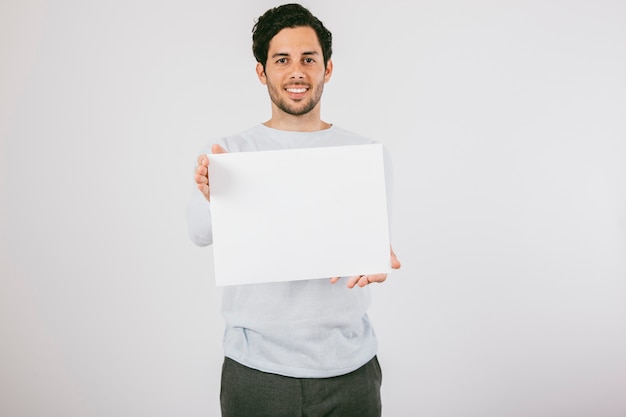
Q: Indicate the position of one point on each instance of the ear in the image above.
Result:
(329, 71)
(260, 72)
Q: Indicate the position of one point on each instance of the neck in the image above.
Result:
(309, 122)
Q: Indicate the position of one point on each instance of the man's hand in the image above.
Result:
(202, 172)
(363, 280)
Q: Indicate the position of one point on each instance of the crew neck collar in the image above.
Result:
(273, 129)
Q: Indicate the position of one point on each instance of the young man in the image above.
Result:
(301, 347)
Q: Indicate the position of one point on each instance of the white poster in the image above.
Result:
(297, 214)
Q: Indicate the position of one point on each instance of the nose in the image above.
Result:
(297, 72)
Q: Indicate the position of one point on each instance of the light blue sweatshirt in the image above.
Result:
(304, 329)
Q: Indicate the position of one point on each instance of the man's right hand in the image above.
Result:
(202, 172)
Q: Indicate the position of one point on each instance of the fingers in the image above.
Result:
(364, 280)
(215, 148)
(201, 175)
(203, 160)
(353, 281)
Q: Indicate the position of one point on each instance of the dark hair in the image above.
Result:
(287, 16)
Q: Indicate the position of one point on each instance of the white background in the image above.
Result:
(506, 122)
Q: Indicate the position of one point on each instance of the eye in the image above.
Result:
(309, 61)
(281, 61)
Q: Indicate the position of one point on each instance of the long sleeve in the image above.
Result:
(199, 219)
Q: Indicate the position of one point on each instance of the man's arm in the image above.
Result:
(202, 172)
(198, 213)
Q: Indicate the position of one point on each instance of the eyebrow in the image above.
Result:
(282, 54)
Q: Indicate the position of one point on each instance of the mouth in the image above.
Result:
(296, 90)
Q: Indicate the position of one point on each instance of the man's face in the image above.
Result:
(295, 73)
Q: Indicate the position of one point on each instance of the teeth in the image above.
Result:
(296, 90)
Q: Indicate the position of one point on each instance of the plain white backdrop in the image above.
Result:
(506, 122)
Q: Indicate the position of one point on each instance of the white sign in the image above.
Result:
(296, 214)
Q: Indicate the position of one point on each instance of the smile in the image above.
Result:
(296, 90)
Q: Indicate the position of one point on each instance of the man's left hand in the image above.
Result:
(363, 280)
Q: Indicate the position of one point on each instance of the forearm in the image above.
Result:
(198, 216)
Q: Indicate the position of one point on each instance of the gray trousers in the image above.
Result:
(247, 392)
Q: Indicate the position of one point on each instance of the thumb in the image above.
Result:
(217, 149)
(395, 263)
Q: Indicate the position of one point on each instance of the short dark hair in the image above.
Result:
(287, 16)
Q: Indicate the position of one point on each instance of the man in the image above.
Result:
(302, 347)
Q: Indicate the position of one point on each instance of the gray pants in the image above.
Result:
(247, 392)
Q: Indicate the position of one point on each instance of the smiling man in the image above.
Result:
(295, 74)
(304, 347)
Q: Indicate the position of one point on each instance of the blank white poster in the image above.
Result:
(296, 214)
